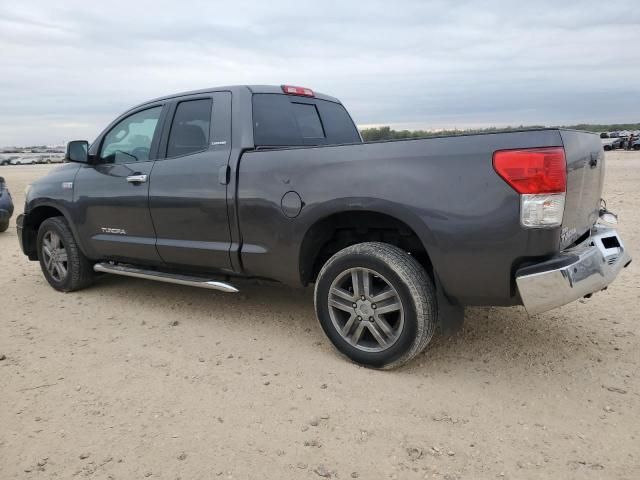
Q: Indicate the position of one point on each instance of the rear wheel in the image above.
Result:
(376, 304)
(62, 263)
(4, 225)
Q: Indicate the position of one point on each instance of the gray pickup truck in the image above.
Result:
(274, 182)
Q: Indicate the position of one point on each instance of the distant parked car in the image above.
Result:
(611, 143)
(6, 160)
(6, 205)
(627, 142)
(23, 161)
(49, 159)
(636, 144)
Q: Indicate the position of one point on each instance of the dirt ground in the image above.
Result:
(134, 379)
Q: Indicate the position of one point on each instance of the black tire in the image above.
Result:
(79, 271)
(4, 225)
(391, 267)
(607, 148)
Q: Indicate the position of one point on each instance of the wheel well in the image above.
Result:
(335, 232)
(30, 230)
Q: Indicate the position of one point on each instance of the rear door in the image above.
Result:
(111, 194)
(188, 191)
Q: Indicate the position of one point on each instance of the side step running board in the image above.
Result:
(164, 277)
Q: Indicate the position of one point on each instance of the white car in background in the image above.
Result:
(49, 159)
(23, 161)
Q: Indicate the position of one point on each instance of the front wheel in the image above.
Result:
(376, 304)
(4, 224)
(62, 263)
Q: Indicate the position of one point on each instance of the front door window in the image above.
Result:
(130, 140)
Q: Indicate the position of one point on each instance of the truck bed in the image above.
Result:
(444, 188)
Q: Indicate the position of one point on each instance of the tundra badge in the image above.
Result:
(119, 231)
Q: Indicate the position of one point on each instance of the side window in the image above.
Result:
(190, 128)
(130, 140)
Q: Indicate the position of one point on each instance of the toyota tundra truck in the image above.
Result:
(275, 183)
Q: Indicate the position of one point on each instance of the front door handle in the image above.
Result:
(138, 178)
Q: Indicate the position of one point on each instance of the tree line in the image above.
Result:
(387, 133)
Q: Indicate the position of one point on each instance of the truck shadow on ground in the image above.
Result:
(490, 336)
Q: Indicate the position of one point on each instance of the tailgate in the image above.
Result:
(585, 177)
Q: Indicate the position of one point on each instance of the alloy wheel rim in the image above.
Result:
(366, 309)
(54, 255)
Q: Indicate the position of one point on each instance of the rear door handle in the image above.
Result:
(138, 178)
(224, 175)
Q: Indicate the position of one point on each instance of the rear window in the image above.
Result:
(308, 120)
(282, 120)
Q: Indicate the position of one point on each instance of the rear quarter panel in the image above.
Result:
(444, 188)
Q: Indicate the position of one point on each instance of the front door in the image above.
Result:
(188, 192)
(112, 193)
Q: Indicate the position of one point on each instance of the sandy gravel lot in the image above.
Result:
(132, 379)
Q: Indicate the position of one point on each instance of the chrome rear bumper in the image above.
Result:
(581, 270)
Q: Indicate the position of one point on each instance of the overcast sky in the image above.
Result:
(69, 67)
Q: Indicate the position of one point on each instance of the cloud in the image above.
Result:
(69, 67)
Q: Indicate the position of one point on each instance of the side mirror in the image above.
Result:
(77, 151)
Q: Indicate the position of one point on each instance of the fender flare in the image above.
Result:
(320, 212)
(36, 203)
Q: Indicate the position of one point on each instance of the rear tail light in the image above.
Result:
(291, 90)
(533, 170)
(539, 175)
